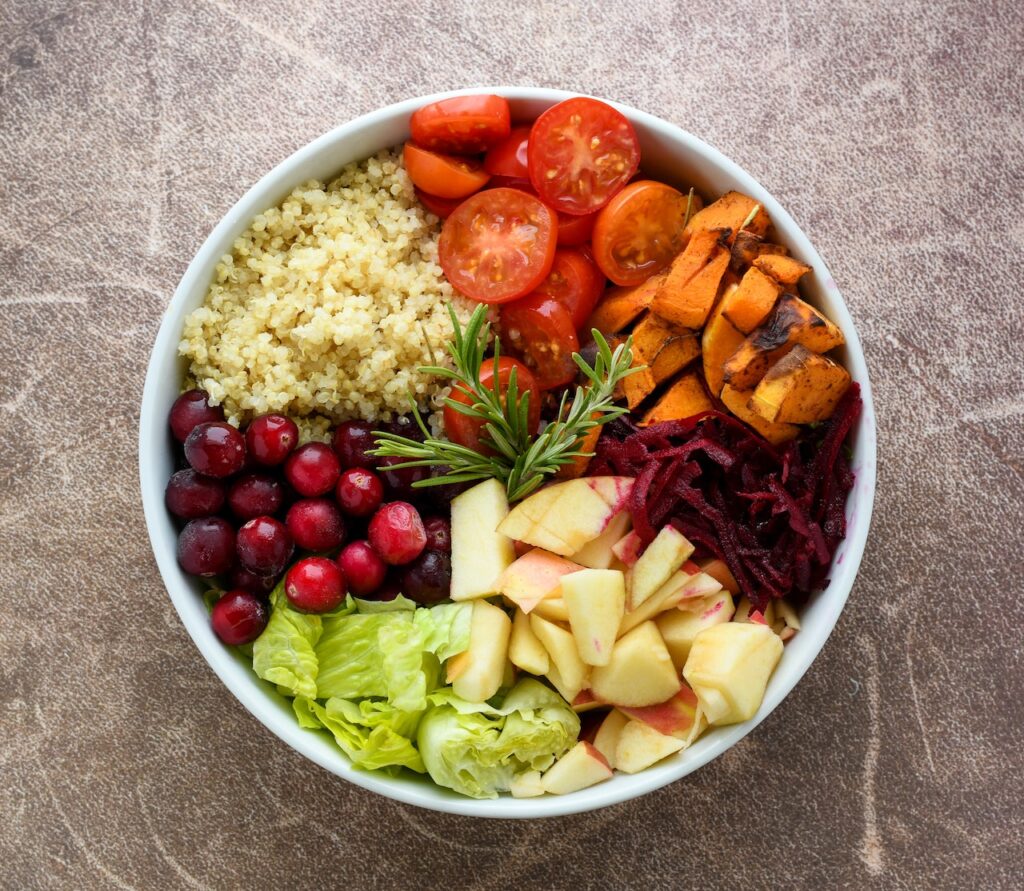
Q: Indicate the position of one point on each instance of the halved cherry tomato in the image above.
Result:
(540, 331)
(508, 157)
(575, 282)
(498, 245)
(574, 231)
(639, 232)
(468, 431)
(443, 175)
(439, 207)
(464, 125)
(581, 153)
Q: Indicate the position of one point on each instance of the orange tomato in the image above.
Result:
(444, 176)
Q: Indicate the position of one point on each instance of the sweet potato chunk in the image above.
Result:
(620, 306)
(588, 443)
(737, 402)
(729, 212)
(748, 306)
(686, 397)
(801, 388)
(718, 342)
(785, 270)
(791, 322)
(665, 349)
(689, 306)
(747, 247)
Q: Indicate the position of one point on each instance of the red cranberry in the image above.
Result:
(352, 440)
(241, 578)
(255, 495)
(316, 524)
(189, 411)
(264, 546)
(190, 495)
(206, 546)
(400, 482)
(439, 534)
(315, 585)
(312, 469)
(359, 491)
(428, 579)
(364, 570)
(215, 449)
(238, 617)
(271, 438)
(397, 533)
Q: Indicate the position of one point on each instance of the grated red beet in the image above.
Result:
(775, 516)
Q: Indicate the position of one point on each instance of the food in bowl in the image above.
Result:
(601, 543)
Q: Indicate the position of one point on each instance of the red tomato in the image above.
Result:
(508, 157)
(439, 207)
(443, 175)
(639, 232)
(581, 153)
(464, 125)
(574, 231)
(575, 282)
(498, 245)
(539, 329)
(468, 431)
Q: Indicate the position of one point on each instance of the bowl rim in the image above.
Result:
(152, 436)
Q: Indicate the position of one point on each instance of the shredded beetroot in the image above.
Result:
(774, 515)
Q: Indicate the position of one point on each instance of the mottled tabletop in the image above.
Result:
(894, 134)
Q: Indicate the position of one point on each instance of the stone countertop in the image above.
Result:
(893, 134)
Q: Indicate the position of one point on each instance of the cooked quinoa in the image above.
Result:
(327, 305)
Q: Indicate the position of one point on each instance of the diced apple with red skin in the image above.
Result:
(745, 612)
(596, 600)
(489, 633)
(661, 558)
(563, 517)
(719, 569)
(676, 591)
(533, 577)
(565, 659)
(728, 668)
(524, 649)
(680, 627)
(586, 701)
(607, 737)
(526, 784)
(787, 623)
(674, 717)
(640, 746)
(580, 767)
(553, 609)
(598, 554)
(640, 671)
(628, 548)
(480, 554)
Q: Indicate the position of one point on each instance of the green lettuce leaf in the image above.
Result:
(399, 604)
(284, 653)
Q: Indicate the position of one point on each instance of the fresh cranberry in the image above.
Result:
(364, 570)
(397, 533)
(238, 617)
(255, 495)
(241, 578)
(428, 579)
(315, 585)
(316, 524)
(206, 546)
(264, 546)
(400, 482)
(352, 440)
(271, 438)
(215, 449)
(312, 469)
(359, 491)
(439, 534)
(190, 495)
(190, 410)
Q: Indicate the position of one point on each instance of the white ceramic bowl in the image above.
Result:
(669, 153)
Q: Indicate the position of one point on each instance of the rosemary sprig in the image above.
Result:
(520, 460)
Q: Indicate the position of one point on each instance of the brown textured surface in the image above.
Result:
(894, 134)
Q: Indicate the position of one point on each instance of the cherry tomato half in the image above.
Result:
(443, 175)
(639, 232)
(498, 245)
(439, 207)
(508, 157)
(581, 153)
(575, 282)
(540, 331)
(464, 125)
(574, 231)
(468, 431)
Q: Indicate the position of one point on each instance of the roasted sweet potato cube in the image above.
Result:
(737, 401)
(718, 342)
(748, 306)
(663, 347)
(801, 388)
(785, 270)
(689, 306)
(729, 212)
(638, 386)
(747, 247)
(579, 464)
(686, 397)
(691, 260)
(620, 306)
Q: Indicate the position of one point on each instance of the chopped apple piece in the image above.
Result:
(787, 614)
(676, 591)
(607, 737)
(489, 633)
(657, 563)
(598, 554)
(553, 609)
(679, 628)
(580, 767)
(480, 554)
(640, 746)
(596, 600)
(456, 665)
(719, 570)
(527, 784)
(586, 701)
(745, 612)
(569, 694)
(628, 548)
(614, 490)
(524, 649)
(565, 658)
(640, 671)
(674, 717)
(729, 666)
(533, 577)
